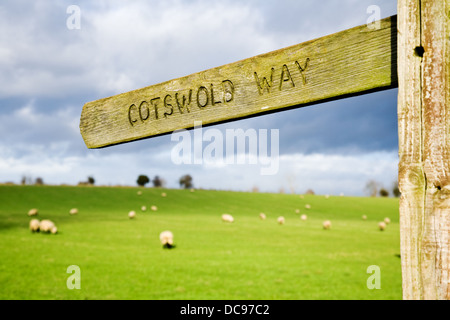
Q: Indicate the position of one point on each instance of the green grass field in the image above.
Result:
(122, 258)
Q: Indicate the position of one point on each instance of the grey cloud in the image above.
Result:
(123, 46)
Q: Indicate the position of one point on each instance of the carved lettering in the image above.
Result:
(302, 70)
(285, 72)
(212, 96)
(154, 103)
(183, 103)
(168, 105)
(205, 99)
(132, 121)
(163, 107)
(264, 84)
(228, 90)
(147, 113)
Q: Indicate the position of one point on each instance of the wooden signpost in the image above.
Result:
(355, 61)
(336, 66)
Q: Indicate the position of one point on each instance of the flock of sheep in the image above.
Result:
(166, 237)
(326, 224)
(45, 225)
(281, 220)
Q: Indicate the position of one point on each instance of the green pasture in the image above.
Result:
(122, 258)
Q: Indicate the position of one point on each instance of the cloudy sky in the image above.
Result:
(49, 71)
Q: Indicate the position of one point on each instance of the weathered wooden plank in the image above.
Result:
(424, 147)
(350, 62)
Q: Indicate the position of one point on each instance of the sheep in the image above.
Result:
(281, 220)
(227, 217)
(54, 230)
(382, 226)
(33, 212)
(301, 196)
(297, 210)
(34, 225)
(192, 190)
(154, 208)
(163, 194)
(327, 196)
(304, 217)
(139, 193)
(387, 221)
(131, 214)
(166, 238)
(73, 211)
(46, 226)
(262, 216)
(143, 208)
(364, 217)
(326, 224)
(308, 206)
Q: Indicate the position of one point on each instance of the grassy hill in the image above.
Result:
(122, 258)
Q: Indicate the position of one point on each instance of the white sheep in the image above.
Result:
(364, 217)
(326, 224)
(131, 214)
(382, 226)
(387, 221)
(139, 193)
(262, 216)
(301, 196)
(304, 217)
(154, 208)
(297, 210)
(227, 217)
(163, 194)
(73, 211)
(46, 226)
(281, 220)
(192, 190)
(34, 225)
(166, 238)
(33, 212)
(327, 196)
(143, 208)
(54, 230)
(307, 206)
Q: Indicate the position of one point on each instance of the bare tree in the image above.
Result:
(371, 188)
(26, 180)
(291, 182)
(158, 182)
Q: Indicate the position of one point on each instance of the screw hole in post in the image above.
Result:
(419, 51)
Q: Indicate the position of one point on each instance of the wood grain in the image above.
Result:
(424, 146)
(340, 65)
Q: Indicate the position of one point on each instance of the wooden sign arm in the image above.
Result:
(347, 63)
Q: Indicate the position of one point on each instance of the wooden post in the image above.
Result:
(424, 146)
